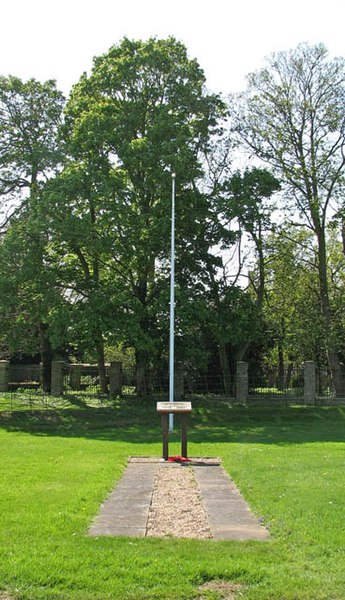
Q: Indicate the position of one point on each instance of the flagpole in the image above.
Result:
(172, 302)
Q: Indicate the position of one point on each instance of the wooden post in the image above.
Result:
(184, 435)
(165, 433)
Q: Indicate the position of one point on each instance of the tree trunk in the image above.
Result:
(101, 367)
(288, 375)
(225, 367)
(280, 382)
(46, 357)
(337, 372)
(332, 355)
(242, 351)
(142, 372)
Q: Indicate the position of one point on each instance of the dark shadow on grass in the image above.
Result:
(137, 421)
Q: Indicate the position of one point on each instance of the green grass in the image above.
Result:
(58, 465)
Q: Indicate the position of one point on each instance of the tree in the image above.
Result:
(292, 117)
(33, 310)
(243, 203)
(30, 115)
(246, 200)
(143, 110)
(30, 153)
(78, 218)
(292, 301)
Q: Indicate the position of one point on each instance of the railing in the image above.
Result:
(24, 376)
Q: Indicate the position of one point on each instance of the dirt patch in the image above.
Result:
(225, 590)
(176, 508)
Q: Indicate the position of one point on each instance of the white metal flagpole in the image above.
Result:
(172, 302)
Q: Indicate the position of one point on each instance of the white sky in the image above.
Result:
(229, 38)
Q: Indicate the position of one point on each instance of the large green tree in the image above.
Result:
(34, 313)
(30, 154)
(292, 301)
(248, 201)
(30, 115)
(144, 111)
(79, 216)
(292, 117)
(244, 209)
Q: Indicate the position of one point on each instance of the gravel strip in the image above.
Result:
(176, 507)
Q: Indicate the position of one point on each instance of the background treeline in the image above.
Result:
(85, 187)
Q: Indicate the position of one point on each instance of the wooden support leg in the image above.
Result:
(184, 436)
(165, 436)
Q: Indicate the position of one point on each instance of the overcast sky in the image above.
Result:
(229, 38)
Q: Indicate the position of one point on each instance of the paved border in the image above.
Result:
(229, 515)
(125, 511)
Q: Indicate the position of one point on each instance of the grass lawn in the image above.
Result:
(57, 467)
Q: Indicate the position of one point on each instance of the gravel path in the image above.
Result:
(176, 508)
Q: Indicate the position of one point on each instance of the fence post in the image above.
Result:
(57, 377)
(115, 379)
(178, 382)
(309, 382)
(242, 381)
(4, 375)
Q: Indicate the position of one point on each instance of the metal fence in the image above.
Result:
(285, 386)
(25, 389)
(324, 384)
(24, 376)
(87, 382)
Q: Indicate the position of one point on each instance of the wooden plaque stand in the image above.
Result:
(181, 408)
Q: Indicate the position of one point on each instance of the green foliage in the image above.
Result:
(30, 153)
(142, 110)
(246, 196)
(29, 288)
(85, 261)
(292, 117)
(30, 114)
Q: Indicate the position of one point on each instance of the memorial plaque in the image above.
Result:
(174, 407)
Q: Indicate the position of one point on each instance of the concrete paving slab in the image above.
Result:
(228, 513)
(125, 511)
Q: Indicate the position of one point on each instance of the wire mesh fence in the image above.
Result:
(82, 386)
(281, 386)
(324, 384)
(24, 377)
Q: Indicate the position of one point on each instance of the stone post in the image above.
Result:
(178, 382)
(309, 382)
(75, 377)
(57, 377)
(4, 375)
(242, 381)
(115, 379)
